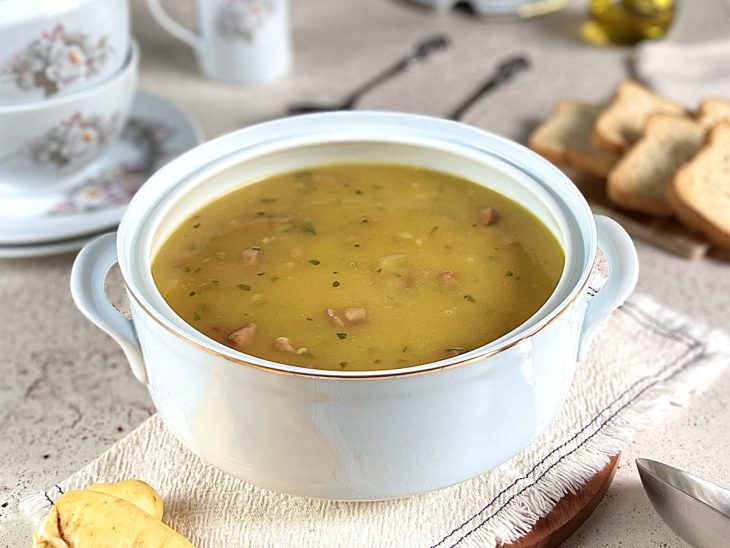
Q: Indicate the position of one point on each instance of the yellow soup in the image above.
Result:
(358, 267)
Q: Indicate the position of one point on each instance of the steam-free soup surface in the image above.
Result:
(358, 267)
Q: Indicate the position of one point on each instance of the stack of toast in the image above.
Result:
(648, 156)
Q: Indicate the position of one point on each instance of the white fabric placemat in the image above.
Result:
(644, 358)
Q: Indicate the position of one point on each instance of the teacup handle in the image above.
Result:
(172, 26)
(87, 289)
(623, 273)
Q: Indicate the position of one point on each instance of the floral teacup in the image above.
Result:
(48, 143)
(239, 41)
(49, 48)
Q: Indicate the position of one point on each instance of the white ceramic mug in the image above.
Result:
(51, 48)
(239, 41)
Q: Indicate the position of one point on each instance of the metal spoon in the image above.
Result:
(422, 51)
(506, 70)
(695, 509)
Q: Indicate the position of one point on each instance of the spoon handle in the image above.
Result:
(422, 50)
(506, 70)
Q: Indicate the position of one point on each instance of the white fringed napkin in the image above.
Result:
(644, 358)
(687, 73)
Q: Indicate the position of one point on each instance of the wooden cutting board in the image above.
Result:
(570, 512)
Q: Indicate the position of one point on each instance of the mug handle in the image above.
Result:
(623, 273)
(172, 26)
(87, 289)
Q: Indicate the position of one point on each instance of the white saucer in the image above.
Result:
(44, 250)
(156, 132)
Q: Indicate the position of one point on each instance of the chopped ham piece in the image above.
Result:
(283, 344)
(243, 337)
(455, 351)
(447, 276)
(251, 255)
(335, 318)
(488, 216)
(356, 315)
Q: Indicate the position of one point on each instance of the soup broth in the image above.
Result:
(358, 267)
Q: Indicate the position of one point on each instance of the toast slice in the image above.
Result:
(640, 180)
(565, 139)
(700, 191)
(712, 111)
(621, 123)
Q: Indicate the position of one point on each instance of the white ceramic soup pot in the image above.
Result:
(355, 435)
(50, 48)
(49, 143)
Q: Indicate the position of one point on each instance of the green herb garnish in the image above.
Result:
(268, 200)
(434, 229)
(335, 284)
(309, 227)
(509, 273)
(244, 287)
(196, 225)
(191, 294)
(274, 278)
(471, 299)
(196, 316)
(343, 364)
(315, 262)
(341, 336)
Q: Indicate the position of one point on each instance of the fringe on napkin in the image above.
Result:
(637, 409)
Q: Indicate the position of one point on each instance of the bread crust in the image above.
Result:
(620, 124)
(565, 146)
(681, 194)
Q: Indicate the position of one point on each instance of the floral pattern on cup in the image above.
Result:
(73, 140)
(115, 186)
(56, 60)
(240, 19)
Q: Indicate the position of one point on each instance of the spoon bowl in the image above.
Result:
(697, 510)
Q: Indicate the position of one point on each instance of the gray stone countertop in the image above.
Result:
(66, 393)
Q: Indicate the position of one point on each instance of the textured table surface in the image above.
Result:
(66, 393)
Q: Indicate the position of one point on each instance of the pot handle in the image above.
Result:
(623, 273)
(172, 26)
(87, 289)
